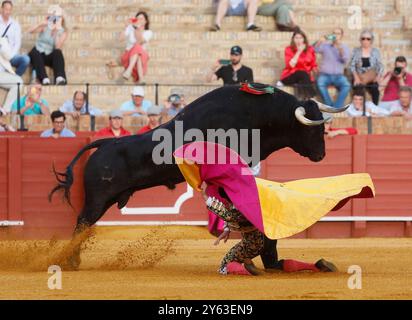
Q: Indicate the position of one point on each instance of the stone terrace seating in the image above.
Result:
(182, 49)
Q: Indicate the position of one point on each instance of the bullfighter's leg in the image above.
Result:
(248, 248)
(271, 263)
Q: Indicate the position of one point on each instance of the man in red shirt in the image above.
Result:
(115, 128)
(154, 119)
(393, 81)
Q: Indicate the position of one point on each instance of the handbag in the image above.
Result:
(5, 49)
(368, 76)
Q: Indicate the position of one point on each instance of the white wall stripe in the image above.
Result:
(161, 210)
(9, 223)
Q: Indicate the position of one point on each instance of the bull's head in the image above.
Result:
(309, 139)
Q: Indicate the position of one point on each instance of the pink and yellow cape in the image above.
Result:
(279, 210)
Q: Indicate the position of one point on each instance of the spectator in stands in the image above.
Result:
(174, 104)
(333, 132)
(58, 119)
(77, 106)
(154, 119)
(4, 126)
(48, 48)
(300, 65)
(282, 10)
(236, 8)
(358, 102)
(403, 107)
(366, 65)
(335, 55)
(115, 128)
(231, 71)
(135, 58)
(10, 29)
(32, 103)
(393, 81)
(8, 80)
(138, 106)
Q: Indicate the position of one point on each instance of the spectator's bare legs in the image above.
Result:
(132, 63)
(221, 12)
(140, 70)
(252, 6)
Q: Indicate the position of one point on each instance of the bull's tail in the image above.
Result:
(65, 180)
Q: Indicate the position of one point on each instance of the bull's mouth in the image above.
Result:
(317, 158)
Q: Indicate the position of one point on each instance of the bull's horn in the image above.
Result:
(325, 108)
(300, 115)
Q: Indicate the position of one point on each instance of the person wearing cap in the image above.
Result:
(233, 73)
(174, 104)
(48, 48)
(138, 106)
(115, 128)
(154, 119)
(58, 119)
(10, 29)
(236, 8)
(77, 106)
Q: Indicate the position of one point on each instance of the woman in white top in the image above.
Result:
(135, 58)
(356, 107)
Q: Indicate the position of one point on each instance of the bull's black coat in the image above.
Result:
(121, 166)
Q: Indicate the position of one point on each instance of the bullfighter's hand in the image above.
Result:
(224, 235)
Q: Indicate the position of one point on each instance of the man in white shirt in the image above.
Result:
(138, 105)
(356, 107)
(13, 34)
(403, 107)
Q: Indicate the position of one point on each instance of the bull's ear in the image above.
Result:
(300, 116)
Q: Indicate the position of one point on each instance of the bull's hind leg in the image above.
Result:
(90, 214)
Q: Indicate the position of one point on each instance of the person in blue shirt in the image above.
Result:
(77, 106)
(58, 131)
(32, 103)
(138, 106)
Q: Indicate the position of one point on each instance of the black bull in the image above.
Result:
(121, 166)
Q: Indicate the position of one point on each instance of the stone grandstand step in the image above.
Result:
(197, 22)
(167, 6)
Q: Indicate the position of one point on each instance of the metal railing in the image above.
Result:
(157, 88)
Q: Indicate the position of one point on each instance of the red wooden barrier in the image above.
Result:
(26, 179)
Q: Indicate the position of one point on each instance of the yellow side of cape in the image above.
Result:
(190, 172)
(291, 207)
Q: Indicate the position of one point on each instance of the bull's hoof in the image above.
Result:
(72, 263)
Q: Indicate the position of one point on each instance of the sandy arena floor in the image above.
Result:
(181, 263)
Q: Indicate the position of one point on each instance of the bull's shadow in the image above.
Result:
(121, 166)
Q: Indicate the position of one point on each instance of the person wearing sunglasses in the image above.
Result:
(366, 65)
